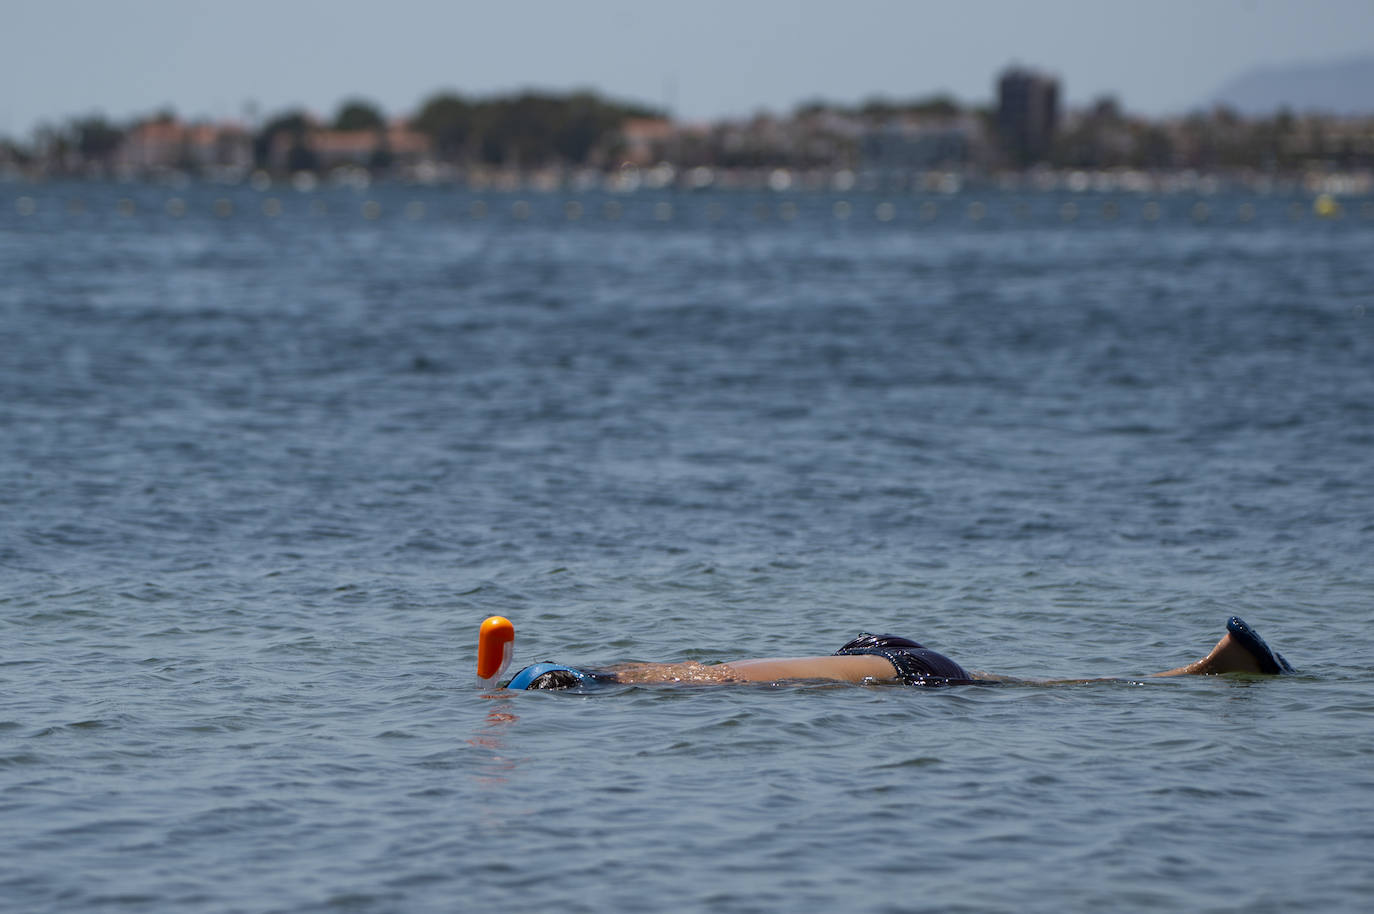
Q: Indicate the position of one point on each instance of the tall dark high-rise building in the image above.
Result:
(1027, 114)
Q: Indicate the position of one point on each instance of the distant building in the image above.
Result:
(167, 144)
(1027, 114)
(395, 146)
(646, 140)
(906, 146)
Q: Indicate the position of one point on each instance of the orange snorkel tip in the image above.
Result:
(495, 645)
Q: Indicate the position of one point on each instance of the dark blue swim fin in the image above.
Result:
(1271, 661)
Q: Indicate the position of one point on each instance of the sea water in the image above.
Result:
(269, 457)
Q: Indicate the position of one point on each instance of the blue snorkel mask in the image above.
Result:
(570, 678)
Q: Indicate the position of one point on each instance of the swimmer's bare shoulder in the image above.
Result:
(689, 671)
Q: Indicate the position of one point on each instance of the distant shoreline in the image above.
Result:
(776, 181)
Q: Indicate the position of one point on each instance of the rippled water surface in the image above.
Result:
(268, 458)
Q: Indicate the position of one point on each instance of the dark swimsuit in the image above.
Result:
(915, 665)
(1270, 661)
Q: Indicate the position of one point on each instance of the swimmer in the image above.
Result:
(868, 658)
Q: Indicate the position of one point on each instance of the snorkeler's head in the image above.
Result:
(548, 676)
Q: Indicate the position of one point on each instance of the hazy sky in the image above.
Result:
(704, 59)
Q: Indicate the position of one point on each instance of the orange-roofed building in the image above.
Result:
(646, 140)
(166, 144)
(397, 145)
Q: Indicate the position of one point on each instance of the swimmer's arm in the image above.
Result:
(840, 669)
(845, 668)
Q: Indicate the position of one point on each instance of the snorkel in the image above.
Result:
(495, 646)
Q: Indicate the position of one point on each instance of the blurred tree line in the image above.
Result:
(84, 140)
(879, 109)
(528, 130)
(523, 131)
(1102, 136)
(532, 129)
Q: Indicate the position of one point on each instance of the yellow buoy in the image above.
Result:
(1326, 206)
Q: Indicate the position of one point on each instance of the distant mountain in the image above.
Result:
(1336, 87)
